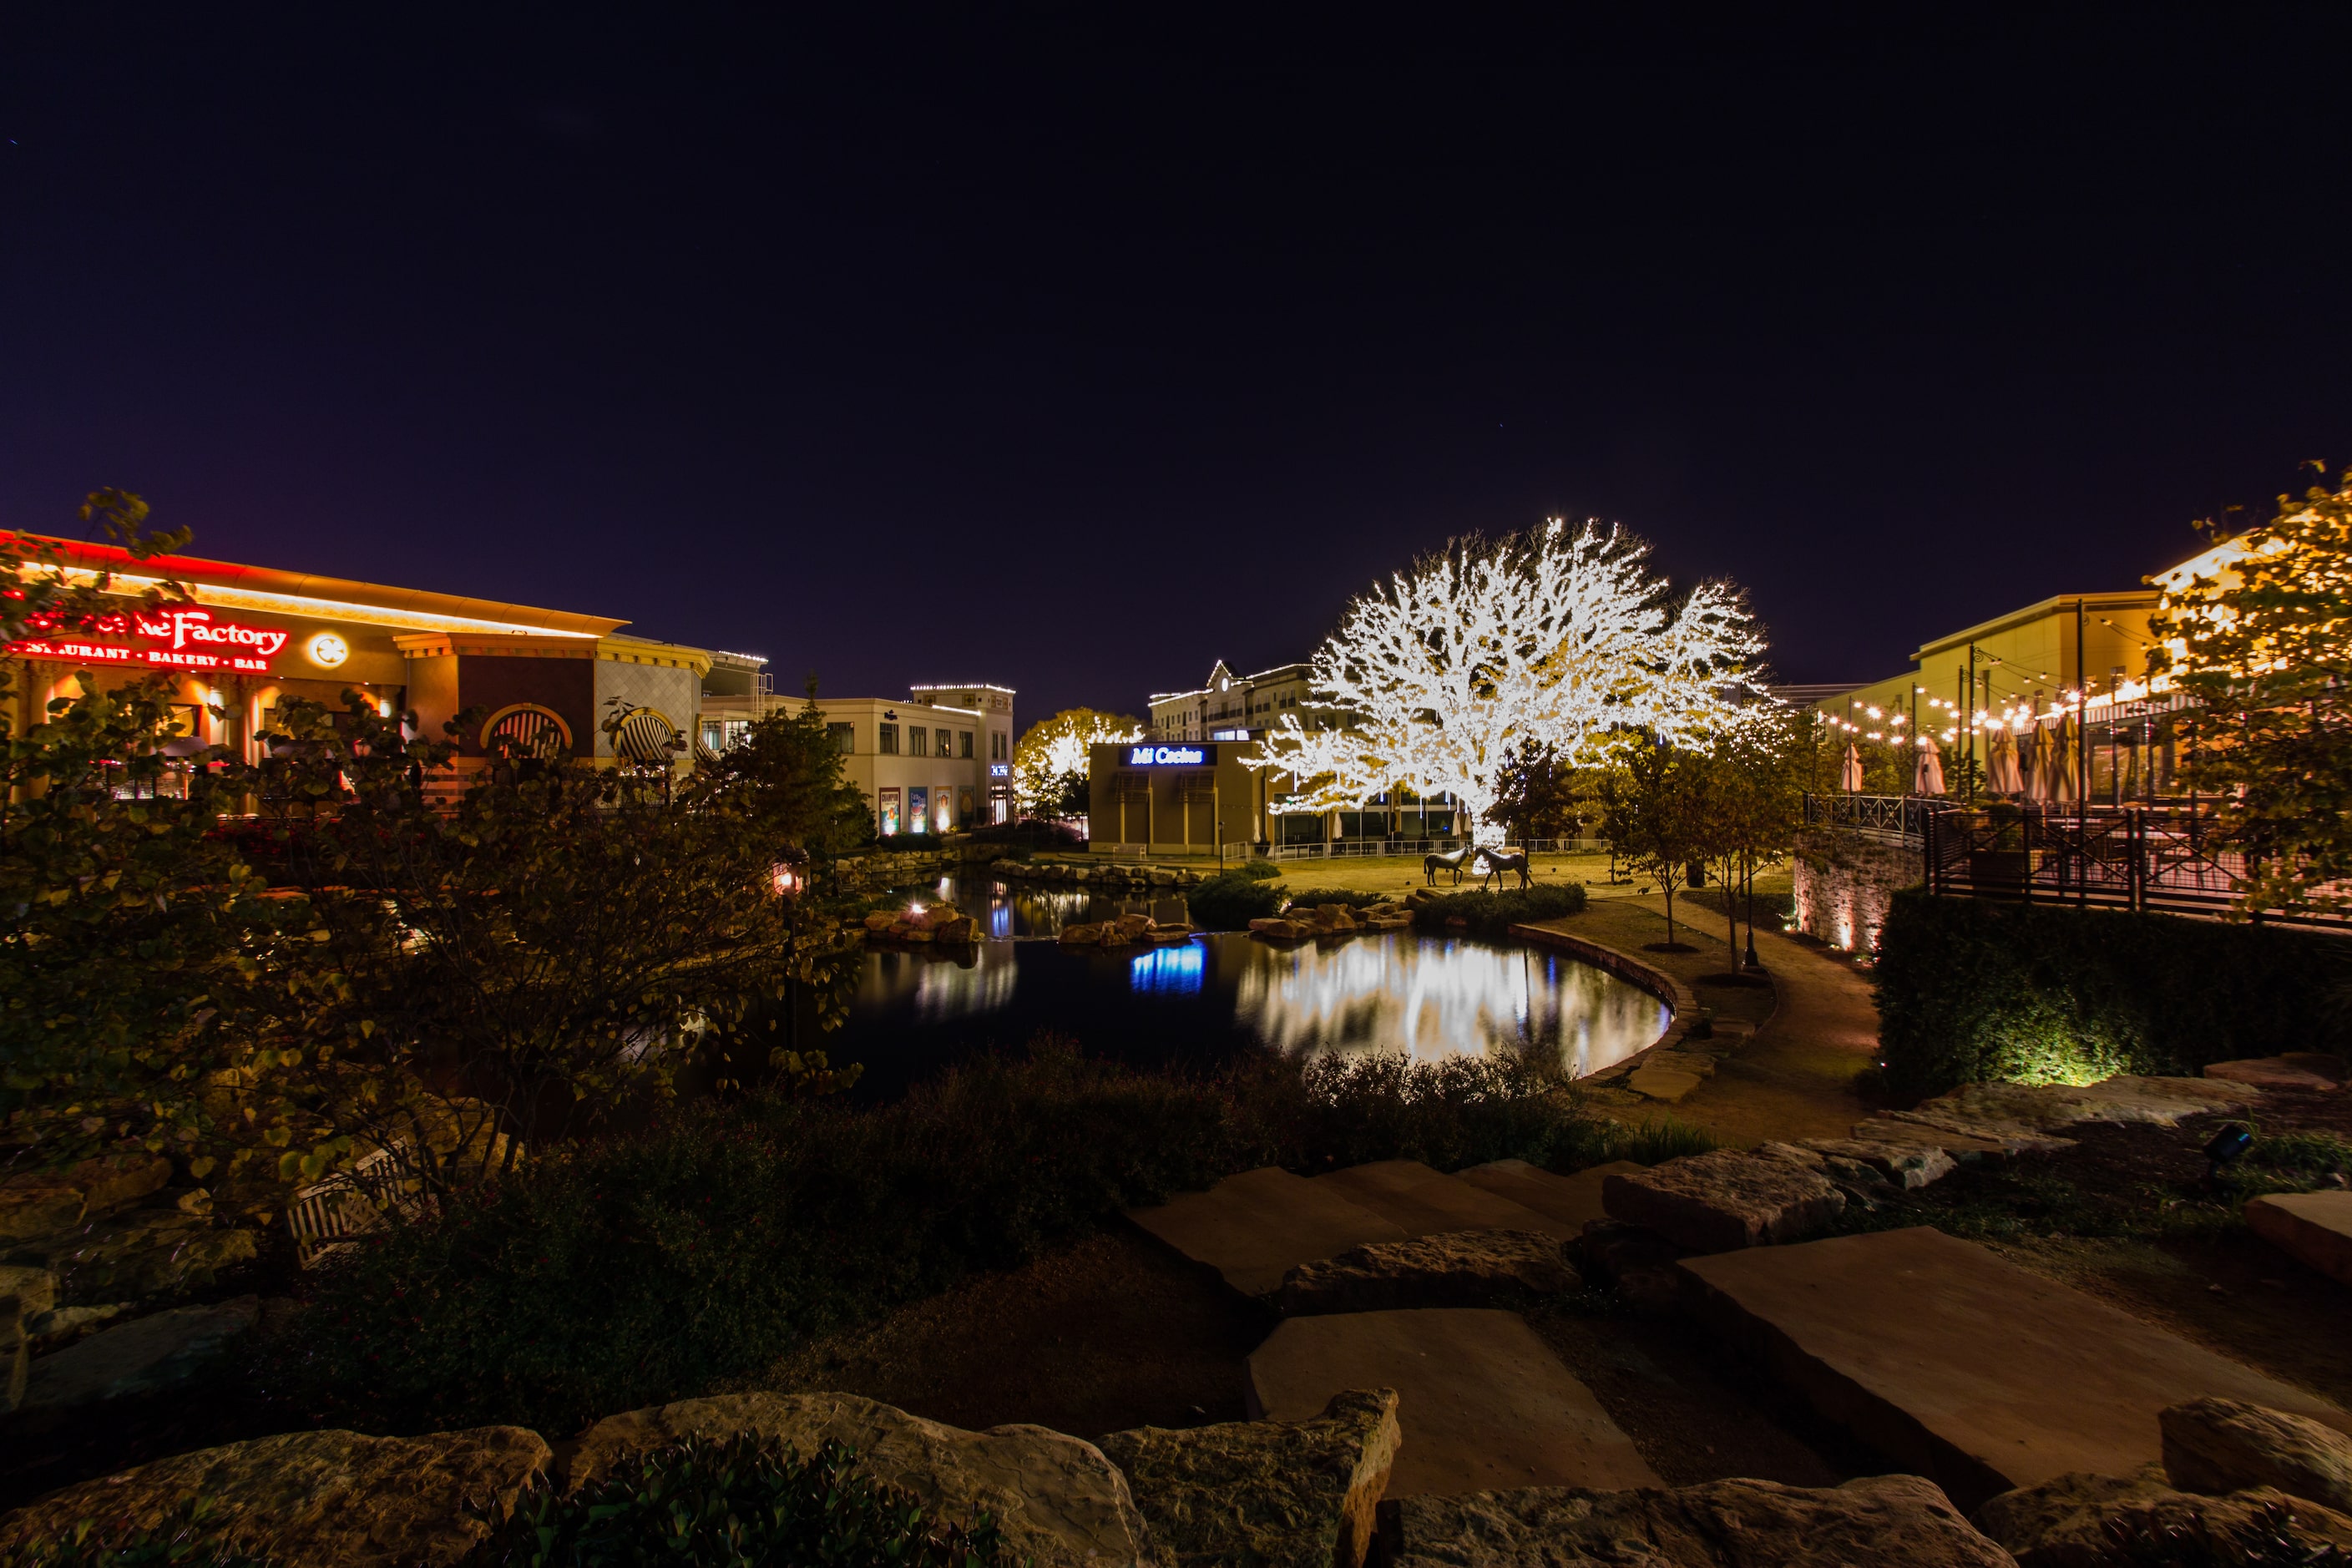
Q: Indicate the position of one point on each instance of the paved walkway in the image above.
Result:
(1818, 1025)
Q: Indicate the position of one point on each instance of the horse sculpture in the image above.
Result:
(1499, 864)
(1430, 865)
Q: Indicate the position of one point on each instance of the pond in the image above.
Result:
(1426, 997)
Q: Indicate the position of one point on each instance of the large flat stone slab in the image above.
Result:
(1483, 1402)
(1454, 1268)
(1719, 1201)
(1570, 1203)
(1255, 1228)
(2316, 1227)
(1424, 1202)
(1964, 1367)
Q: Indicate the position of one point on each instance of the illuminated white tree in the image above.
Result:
(1563, 637)
(1049, 765)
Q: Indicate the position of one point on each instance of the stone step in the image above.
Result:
(1963, 1367)
(1568, 1203)
(1483, 1402)
(1424, 1202)
(2313, 1227)
(1257, 1227)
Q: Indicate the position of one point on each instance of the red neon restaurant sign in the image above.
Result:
(175, 639)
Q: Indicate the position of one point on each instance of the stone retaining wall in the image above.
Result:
(1846, 881)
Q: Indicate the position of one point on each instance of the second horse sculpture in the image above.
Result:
(1499, 864)
(1430, 865)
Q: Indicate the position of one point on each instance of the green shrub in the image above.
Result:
(1970, 990)
(1230, 901)
(1255, 871)
(189, 1538)
(1494, 914)
(629, 1272)
(739, 1501)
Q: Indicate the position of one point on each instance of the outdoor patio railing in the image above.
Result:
(2152, 857)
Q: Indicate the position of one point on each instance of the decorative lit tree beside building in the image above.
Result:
(1049, 764)
(2263, 645)
(1557, 638)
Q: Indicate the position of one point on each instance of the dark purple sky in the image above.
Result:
(1074, 359)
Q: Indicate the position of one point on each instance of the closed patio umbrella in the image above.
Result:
(2042, 760)
(2000, 765)
(1850, 774)
(2062, 764)
(1927, 774)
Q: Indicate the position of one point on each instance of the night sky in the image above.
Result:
(1072, 358)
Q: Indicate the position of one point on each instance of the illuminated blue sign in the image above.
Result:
(1172, 757)
(1000, 770)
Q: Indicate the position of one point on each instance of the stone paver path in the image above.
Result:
(1257, 1227)
(1962, 1366)
(2316, 1227)
(1483, 1404)
(1567, 1203)
(1424, 1202)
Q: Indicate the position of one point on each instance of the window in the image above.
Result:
(887, 807)
(918, 742)
(964, 743)
(886, 742)
(919, 808)
(996, 745)
(842, 736)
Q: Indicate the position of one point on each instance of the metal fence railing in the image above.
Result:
(2159, 857)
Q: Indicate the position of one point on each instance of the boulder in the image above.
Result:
(1082, 936)
(1056, 1498)
(1330, 918)
(2078, 1521)
(1867, 1523)
(160, 1351)
(1130, 928)
(1452, 1268)
(2227, 1445)
(1722, 1201)
(2316, 1227)
(2298, 1069)
(41, 1203)
(880, 920)
(2161, 1101)
(1273, 1494)
(314, 1500)
(1278, 930)
(1669, 1075)
(1907, 1166)
(958, 929)
(145, 1252)
(1638, 1264)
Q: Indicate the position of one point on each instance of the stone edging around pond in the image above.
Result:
(1662, 1070)
(1107, 875)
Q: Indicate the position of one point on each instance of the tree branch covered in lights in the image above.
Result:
(2264, 646)
(1557, 638)
(1049, 765)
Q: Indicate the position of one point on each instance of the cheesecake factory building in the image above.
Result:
(255, 637)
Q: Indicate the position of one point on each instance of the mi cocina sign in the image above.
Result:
(1172, 757)
(175, 639)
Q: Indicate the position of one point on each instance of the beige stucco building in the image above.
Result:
(939, 760)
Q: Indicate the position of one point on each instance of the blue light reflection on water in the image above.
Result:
(1170, 971)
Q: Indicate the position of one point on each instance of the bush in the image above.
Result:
(1230, 901)
(1970, 990)
(1494, 914)
(189, 1537)
(641, 1269)
(1255, 870)
(706, 1504)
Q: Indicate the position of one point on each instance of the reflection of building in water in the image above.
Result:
(1429, 1001)
(1170, 971)
(943, 987)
